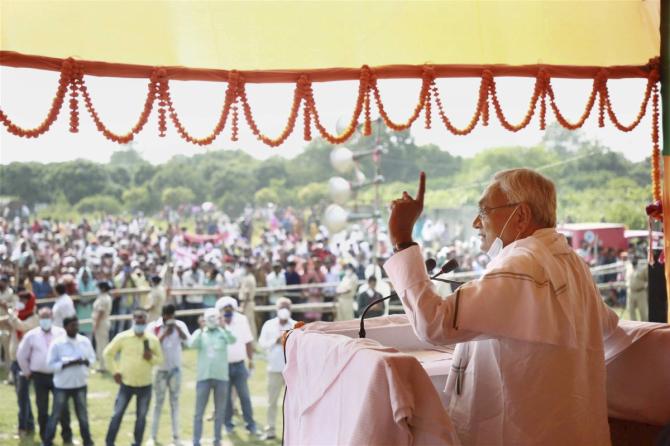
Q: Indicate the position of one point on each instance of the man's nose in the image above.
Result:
(477, 222)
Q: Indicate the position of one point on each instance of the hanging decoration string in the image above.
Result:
(72, 81)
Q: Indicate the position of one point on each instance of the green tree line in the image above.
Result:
(594, 183)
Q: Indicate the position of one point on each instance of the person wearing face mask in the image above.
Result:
(270, 339)
(238, 371)
(70, 357)
(211, 342)
(138, 352)
(32, 358)
(22, 318)
(173, 335)
(529, 367)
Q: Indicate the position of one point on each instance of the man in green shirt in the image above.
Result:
(211, 342)
(138, 351)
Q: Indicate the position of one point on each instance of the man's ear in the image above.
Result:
(524, 217)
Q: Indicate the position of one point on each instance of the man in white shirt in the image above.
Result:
(529, 366)
(70, 357)
(271, 340)
(64, 307)
(242, 349)
(173, 336)
(102, 308)
(32, 358)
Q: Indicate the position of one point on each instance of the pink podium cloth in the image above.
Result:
(638, 372)
(343, 391)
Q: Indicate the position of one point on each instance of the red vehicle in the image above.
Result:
(606, 235)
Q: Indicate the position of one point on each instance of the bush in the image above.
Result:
(138, 199)
(176, 196)
(98, 203)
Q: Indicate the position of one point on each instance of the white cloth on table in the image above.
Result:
(357, 392)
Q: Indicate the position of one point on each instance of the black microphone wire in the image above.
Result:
(430, 264)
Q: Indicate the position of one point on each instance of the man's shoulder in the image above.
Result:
(149, 335)
(271, 322)
(181, 324)
(59, 340)
(124, 335)
(83, 339)
(35, 331)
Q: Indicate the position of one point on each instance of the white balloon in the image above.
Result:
(342, 159)
(339, 189)
(335, 218)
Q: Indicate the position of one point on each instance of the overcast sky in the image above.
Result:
(26, 95)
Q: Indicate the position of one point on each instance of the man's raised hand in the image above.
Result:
(405, 211)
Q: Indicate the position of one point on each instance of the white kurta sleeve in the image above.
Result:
(433, 318)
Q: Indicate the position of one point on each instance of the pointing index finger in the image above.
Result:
(422, 187)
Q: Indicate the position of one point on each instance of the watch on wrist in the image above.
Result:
(400, 246)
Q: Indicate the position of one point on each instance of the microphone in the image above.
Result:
(430, 265)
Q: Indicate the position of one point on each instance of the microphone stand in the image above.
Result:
(450, 266)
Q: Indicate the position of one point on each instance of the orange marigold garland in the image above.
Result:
(656, 149)
(75, 80)
(54, 110)
(651, 81)
(543, 100)
(587, 110)
(141, 121)
(483, 92)
(538, 90)
(72, 82)
(293, 115)
(363, 89)
(367, 122)
(423, 96)
(231, 93)
(307, 117)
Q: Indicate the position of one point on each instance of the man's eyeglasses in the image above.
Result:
(485, 211)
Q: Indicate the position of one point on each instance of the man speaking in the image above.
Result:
(529, 367)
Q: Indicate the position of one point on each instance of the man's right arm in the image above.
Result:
(433, 318)
(110, 352)
(266, 340)
(23, 355)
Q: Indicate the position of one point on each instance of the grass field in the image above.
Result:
(102, 392)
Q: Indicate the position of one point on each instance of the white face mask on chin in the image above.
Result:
(497, 245)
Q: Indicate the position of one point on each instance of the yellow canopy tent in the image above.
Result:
(241, 42)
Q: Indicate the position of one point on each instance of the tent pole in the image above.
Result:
(665, 142)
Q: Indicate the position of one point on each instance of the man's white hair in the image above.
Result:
(283, 301)
(530, 187)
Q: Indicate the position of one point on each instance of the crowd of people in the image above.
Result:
(146, 274)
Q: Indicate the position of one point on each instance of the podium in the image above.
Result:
(638, 373)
